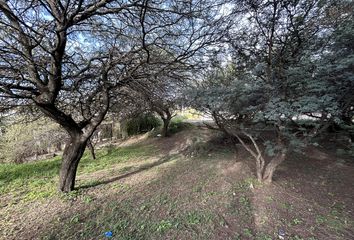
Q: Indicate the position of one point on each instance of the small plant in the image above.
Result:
(247, 232)
(244, 201)
(320, 219)
(75, 219)
(71, 196)
(164, 225)
(286, 205)
(87, 199)
(194, 218)
(296, 221)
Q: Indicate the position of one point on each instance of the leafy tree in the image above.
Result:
(163, 97)
(274, 82)
(336, 65)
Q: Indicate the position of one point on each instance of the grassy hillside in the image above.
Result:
(192, 185)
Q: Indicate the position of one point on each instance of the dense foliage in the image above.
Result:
(289, 80)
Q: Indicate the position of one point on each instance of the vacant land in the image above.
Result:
(192, 185)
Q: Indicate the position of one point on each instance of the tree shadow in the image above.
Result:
(142, 168)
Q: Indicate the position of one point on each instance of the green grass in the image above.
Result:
(38, 180)
(110, 156)
(29, 181)
(130, 220)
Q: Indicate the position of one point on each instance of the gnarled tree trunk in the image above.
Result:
(264, 169)
(71, 158)
(166, 117)
(268, 170)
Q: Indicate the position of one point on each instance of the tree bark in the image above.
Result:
(271, 167)
(259, 168)
(92, 149)
(71, 158)
(166, 124)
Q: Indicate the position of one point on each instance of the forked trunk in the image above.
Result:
(71, 158)
(269, 169)
(264, 171)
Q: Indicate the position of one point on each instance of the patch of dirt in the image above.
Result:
(310, 197)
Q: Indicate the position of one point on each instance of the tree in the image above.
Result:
(164, 95)
(336, 65)
(273, 81)
(67, 58)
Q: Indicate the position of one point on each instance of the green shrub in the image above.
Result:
(142, 123)
(178, 125)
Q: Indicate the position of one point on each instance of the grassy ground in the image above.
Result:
(37, 180)
(188, 186)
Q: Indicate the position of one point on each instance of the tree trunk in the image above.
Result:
(166, 123)
(271, 167)
(259, 168)
(71, 157)
(92, 149)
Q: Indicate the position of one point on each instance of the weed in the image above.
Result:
(244, 201)
(144, 207)
(71, 196)
(120, 186)
(87, 199)
(286, 205)
(320, 219)
(247, 232)
(194, 218)
(296, 221)
(164, 225)
(75, 219)
(197, 188)
(269, 199)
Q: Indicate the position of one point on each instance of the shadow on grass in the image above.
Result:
(142, 168)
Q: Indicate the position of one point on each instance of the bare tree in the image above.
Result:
(66, 58)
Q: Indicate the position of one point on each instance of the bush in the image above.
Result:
(142, 123)
(178, 125)
(22, 141)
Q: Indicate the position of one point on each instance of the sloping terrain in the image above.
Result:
(192, 185)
